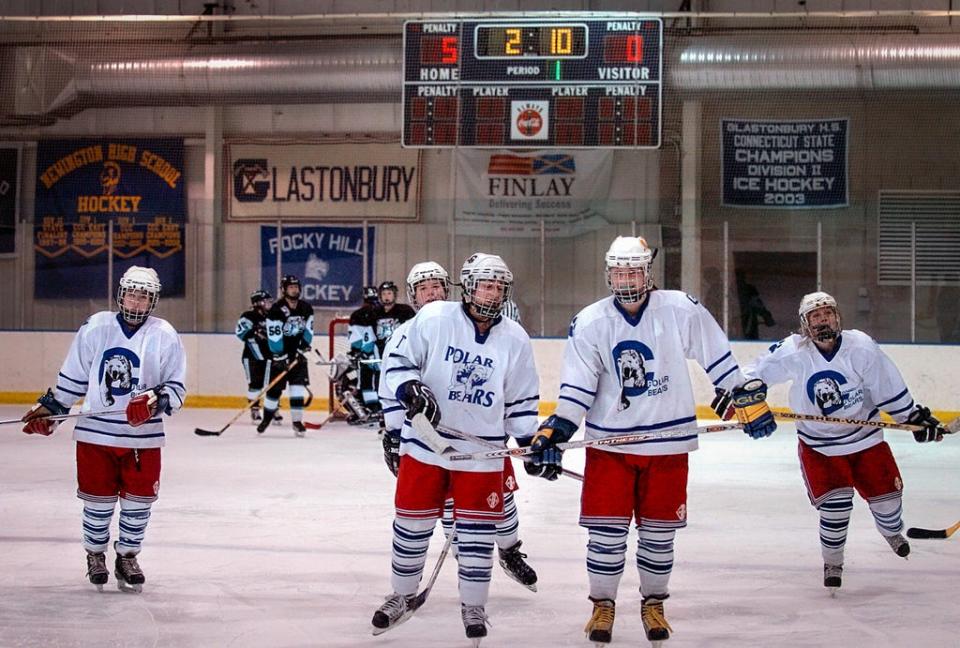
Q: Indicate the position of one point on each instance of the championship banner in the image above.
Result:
(9, 197)
(327, 260)
(323, 182)
(507, 194)
(784, 164)
(84, 184)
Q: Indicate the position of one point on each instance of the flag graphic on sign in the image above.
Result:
(536, 165)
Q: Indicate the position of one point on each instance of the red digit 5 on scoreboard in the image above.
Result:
(449, 48)
(627, 48)
(439, 50)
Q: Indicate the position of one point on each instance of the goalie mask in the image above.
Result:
(628, 264)
(423, 272)
(817, 325)
(138, 293)
(486, 283)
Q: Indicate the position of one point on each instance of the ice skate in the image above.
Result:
(654, 622)
(832, 577)
(515, 566)
(277, 419)
(97, 569)
(129, 575)
(397, 609)
(599, 628)
(474, 622)
(255, 414)
(899, 545)
(299, 429)
(268, 415)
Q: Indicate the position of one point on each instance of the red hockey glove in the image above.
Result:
(35, 419)
(145, 406)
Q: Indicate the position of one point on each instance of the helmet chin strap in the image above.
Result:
(823, 333)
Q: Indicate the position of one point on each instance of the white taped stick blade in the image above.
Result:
(428, 434)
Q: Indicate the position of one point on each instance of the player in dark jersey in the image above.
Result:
(289, 335)
(389, 315)
(252, 330)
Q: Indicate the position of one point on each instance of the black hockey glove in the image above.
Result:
(391, 450)
(418, 399)
(722, 404)
(932, 429)
(547, 459)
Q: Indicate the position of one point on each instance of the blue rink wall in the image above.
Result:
(215, 377)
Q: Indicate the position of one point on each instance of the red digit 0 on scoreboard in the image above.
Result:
(635, 48)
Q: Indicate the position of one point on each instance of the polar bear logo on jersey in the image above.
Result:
(470, 376)
(117, 375)
(827, 394)
(632, 374)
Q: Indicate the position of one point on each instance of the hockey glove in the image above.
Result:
(932, 429)
(418, 399)
(750, 406)
(35, 419)
(722, 404)
(547, 459)
(391, 450)
(143, 407)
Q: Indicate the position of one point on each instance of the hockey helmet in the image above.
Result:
(138, 279)
(259, 296)
(370, 294)
(814, 301)
(485, 267)
(425, 271)
(628, 264)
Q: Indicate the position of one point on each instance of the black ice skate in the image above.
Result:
(599, 628)
(299, 429)
(512, 561)
(397, 609)
(654, 622)
(474, 622)
(255, 414)
(268, 415)
(97, 569)
(129, 575)
(832, 577)
(899, 545)
(277, 419)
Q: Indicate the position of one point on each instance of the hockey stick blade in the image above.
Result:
(932, 534)
(429, 435)
(250, 402)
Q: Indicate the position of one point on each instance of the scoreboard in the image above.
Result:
(533, 83)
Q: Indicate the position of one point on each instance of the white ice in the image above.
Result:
(278, 541)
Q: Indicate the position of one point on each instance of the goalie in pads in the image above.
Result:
(136, 362)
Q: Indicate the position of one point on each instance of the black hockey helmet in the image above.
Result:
(387, 285)
(258, 296)
(370, 293)
(289, 280)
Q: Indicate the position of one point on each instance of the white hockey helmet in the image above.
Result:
(485, 267)
(812, 302)
(631, 252)
(424, 271)
(138, 278)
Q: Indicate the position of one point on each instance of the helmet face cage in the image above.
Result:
(811, 303)
(629, 254)
(138, 280)
(485, 267)
(424, 272)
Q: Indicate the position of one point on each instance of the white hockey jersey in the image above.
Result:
(856, 381)
(485, 384)
(629, 374)
(107, 366)
(394, 413)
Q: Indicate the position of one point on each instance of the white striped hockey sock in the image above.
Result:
(411, 537)
(475, 556)
(606, 551)
(834, 519)
(508, 530)
(134, 516)
(447, 522)
(654, 558)
(96, 525)
(887, 511)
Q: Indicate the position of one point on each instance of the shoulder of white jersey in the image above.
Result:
(102, 318)
(513, 329)
(673, 298)
(438, 309)
(790, 344)
(858, 339)
(162, 326)
(598, 310)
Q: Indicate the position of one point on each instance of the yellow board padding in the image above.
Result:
(320, 404)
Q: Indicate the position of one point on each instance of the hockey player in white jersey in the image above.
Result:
(844, 373)
(129, 361)
(428, 282)
(625, 368)
(464, 364)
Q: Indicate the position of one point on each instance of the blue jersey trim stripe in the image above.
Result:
(725, 374)
(895, 398)
(714, 365)
(902, 409)
(70, 391)
(574, 400)
(522, 400)
(642, 428)
(123, 422)
(522, 413)
(585, 391)
(127, 436)
(826, 445)
(73, 380)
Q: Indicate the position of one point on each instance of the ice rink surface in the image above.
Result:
(278, 541)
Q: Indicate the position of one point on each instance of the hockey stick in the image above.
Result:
(932, 534)
(421, 597)
(63, 417)
(317, 426)
(951, 427)
(250, 403)
(323, 362)
(588, 443)
(466, 436)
